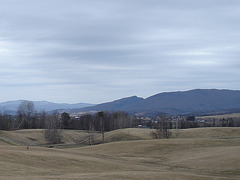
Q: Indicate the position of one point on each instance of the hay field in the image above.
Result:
(208, 132)
(233, 115)
(187, 157)
(34, 137)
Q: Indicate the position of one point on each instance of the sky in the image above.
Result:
(97, 51)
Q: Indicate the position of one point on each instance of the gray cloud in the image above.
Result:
(100, 50)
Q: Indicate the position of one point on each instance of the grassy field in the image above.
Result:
(204, 153)
(234, 115)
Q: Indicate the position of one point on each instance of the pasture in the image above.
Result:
(203, 153)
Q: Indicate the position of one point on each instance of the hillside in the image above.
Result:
(124, 104)
(198, 101)
(35, 137)
(215, 156)
(195, 101)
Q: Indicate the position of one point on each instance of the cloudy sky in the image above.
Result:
(100, 50)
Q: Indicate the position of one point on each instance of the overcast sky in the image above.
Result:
(101, 50)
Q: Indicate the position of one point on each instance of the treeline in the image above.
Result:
(102, 121)
(28, 118)
(221, 122)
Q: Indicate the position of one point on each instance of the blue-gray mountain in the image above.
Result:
(198, 101)
(10, 107)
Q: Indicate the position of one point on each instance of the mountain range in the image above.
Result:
(10, 107)
(197, 102)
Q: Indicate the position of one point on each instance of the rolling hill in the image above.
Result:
(35, 137)
(212, 155)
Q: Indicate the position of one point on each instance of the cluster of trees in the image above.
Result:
(163, 127)
(222, 122)
(6, 122)
(188, 122)
(102, 121)
(28, 118)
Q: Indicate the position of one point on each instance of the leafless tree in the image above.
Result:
(162, 130)
(91, 129)
(100, 116)
(41, 122)
(53, 129)
(25, 114)
(120, 120)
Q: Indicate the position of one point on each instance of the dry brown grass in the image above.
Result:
(31, 137)
(36, 136)
(234, 115)
(209, 132)
(127, 135)
(186, 157)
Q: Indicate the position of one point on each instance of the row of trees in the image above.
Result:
(28, 118)
(102, 121)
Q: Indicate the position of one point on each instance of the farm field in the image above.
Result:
(203, 153)
(234, 115)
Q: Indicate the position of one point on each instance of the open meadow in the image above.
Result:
(203, 153)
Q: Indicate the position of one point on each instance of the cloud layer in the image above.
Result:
(99, 50)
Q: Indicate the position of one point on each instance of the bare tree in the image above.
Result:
(100, 116)
(177, 123)
(53, 129)
(163, 126)
(65, 117)
(120, 120)
(41, 123)
(25, 114)
(91, 129)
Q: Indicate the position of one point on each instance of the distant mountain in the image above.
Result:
(194, 101)
(123, 104)
(10, 107)
(198, 101)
